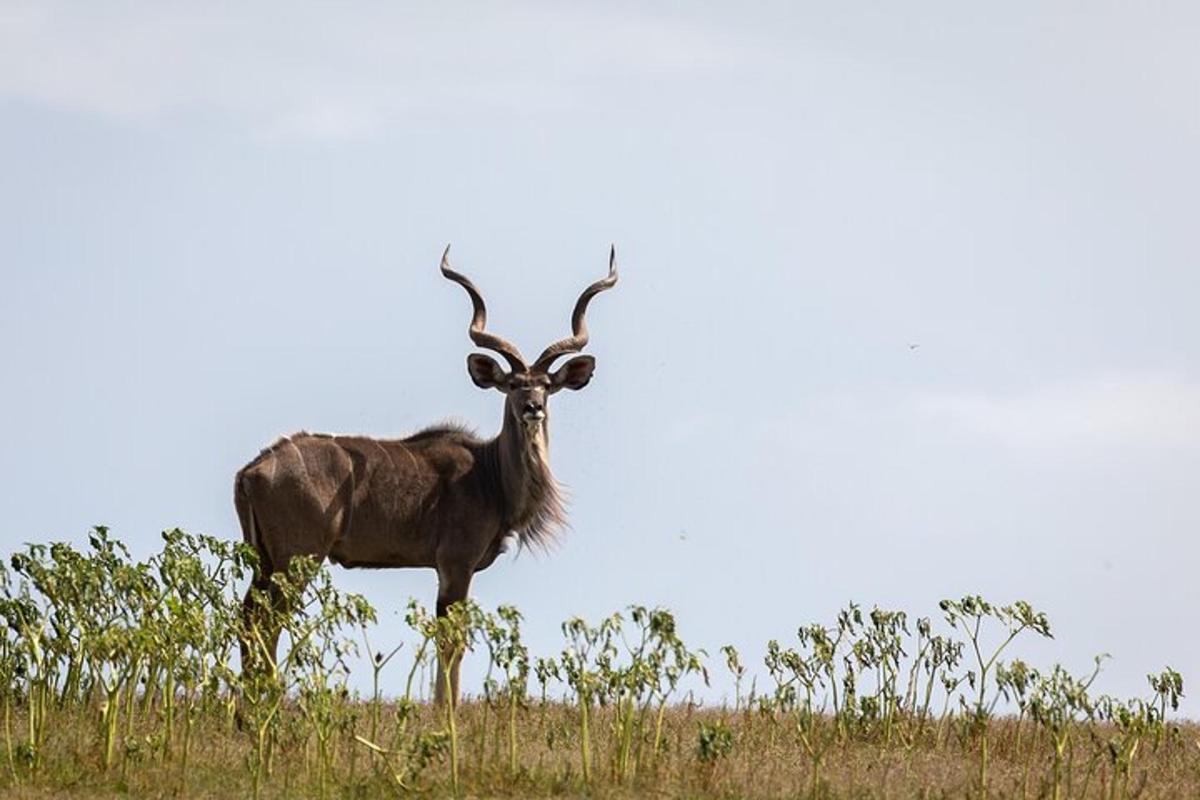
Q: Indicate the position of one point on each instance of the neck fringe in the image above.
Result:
(537, 510)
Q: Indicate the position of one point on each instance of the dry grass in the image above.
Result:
(121, 678)
(766, 760)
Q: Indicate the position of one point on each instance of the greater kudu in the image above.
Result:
(441, 498)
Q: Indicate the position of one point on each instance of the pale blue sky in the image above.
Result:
(220, 223)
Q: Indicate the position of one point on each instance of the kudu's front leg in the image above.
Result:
(453, 586)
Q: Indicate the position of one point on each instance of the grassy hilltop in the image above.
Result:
(123, 678)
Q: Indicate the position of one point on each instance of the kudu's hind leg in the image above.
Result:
(453, 586)
(261, 624)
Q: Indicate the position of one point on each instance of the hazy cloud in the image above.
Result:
(1151, 410)
(285, 71)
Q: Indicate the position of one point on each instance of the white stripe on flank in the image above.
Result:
(253, 530)
(252, 534)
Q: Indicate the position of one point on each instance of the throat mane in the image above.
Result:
(533, 500)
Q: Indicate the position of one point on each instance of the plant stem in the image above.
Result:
(585, 744)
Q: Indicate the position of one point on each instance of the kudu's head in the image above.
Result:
(527, 388)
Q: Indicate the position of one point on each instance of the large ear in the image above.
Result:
(485, 372)
(574, 374)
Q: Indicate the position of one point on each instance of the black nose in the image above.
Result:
(532, 407)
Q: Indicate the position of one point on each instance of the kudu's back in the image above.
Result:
(360, 501)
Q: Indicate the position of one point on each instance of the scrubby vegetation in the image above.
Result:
(123, 677)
